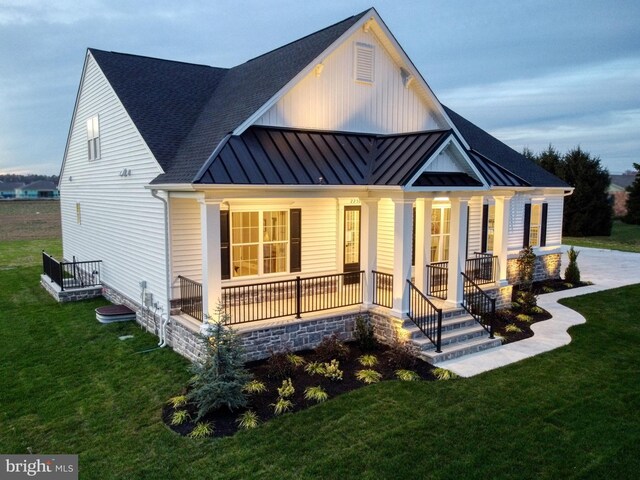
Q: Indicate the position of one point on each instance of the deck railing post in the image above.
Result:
(493, 314)
(298, 296)
(439, 333)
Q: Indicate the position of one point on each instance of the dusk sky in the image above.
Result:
(529, 72)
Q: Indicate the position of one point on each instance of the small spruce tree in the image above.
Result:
(219, 380)
(526, 267)
(633, 199)
(572, 272)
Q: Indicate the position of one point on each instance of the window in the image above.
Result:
(93, 138)
(534, 226)
(364, 62)
(259, 242)
(490, 211)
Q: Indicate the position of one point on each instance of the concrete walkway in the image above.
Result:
(605, 268)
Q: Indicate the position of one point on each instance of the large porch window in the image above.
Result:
(440, 233)
(259, 242)
(534, 227)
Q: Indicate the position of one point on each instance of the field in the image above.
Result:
(29, 219)
(623, 237)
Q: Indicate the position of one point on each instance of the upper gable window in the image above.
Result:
(93, 137)
(364, 64)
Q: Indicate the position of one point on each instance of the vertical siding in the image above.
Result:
(554, 220)
(122, 224)
(186, 241)
(385, 235)
(475, 225)
(335, 101)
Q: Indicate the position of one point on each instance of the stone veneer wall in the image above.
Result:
(74, 295)
(546, 267)
(502, 295)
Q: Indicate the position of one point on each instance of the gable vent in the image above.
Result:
(364, 62)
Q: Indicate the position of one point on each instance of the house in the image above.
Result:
(38, 190)
(315, 183)
(618, 192)
(8, 189)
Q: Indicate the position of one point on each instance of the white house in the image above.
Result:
(313, 183)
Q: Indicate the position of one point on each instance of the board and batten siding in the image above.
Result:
(121, 223)
(335, 101)
(385, 235)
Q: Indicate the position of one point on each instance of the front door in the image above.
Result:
(351, 243)
(440, 233)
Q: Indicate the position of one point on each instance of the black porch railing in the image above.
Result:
(479, 305)
(426, 316)
(70, 275)
(482, 269)
(438, 279)
(190, 297)
(382, 289)
(263, 301)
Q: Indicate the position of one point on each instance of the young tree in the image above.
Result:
(633, 200)
(587, 211)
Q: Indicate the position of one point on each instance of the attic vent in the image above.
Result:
(364, 62)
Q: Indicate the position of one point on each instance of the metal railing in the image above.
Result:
(70, 275)
(482, 269)
(263, 301)
(190, 297)
(426, 316)
(479, 305)
(382, 289)
(438, 279)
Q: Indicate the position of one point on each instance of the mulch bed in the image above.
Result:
(556, 285)
(224, 421)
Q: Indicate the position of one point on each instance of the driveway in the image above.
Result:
(605, 268)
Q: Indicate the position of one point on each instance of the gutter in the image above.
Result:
(163, 327)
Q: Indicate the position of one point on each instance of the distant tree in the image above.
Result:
(27, 178)
(528, 153)
(587, 211)
(633, 199)
(551, 160)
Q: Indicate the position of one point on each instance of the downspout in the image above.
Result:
(165, 320)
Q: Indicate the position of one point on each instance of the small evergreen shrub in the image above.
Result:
(364, 334)
(331, 348)
(572, 272)
(316, 394)
(526, 268)
(368, 376)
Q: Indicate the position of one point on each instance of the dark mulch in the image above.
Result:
(510, 317)
(556, 285)
(224, 421)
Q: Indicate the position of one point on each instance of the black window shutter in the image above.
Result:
(295, 219)
(485, 226)
(543, 226)
(413, 240)
(225, 258)
(527, 224)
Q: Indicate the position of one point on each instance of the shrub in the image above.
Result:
(363, 333)
(537, 310)
(295, 360)
(400, 356)
(178, 401)
(332, 371)
(317, 394)
(524, 318)
(527, 301)
(254, 386)
(368, 360)
(572, 272)
(179, 417)
(526, 266)
(368, 376)
(282, 405)
(202, 430)
(547, 289)
(248, 420)
(332, 348)
(286, 390)
(279, 365)
(220, 379)
(314, 368)
(443, 374)
(512, 328)
(407, 375)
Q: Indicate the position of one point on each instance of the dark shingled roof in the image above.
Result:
(503, 155)
(622, 181)
(9, 186)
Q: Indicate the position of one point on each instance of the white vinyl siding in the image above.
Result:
(516, 222)
(385, 235)
(334, 101)
(554, 220)
(121, 223)
(186, 241)
(475, 226)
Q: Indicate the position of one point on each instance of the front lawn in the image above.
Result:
(69, 385)
(623, 237)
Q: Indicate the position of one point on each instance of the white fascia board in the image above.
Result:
(303, 73)
(451, 141)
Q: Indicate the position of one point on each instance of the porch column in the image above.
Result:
(423, 242)
(457, 249)
(501, 235)
(369, 246)
(402, 226)
(211, 261)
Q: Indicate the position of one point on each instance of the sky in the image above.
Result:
(532, 73)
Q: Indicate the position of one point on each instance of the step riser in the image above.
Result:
(457, 339)
(414, 331)
(441, 357)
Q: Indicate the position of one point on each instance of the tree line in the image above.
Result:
(27, 178)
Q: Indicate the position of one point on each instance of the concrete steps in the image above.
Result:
(461, 335)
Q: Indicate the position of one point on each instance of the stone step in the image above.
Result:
(456, 350)
(446, 316)
(451, 336)
(450, 324)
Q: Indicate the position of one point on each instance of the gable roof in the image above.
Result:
(504, 156)
(623, 181)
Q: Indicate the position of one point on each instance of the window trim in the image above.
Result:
(537, 225)
(94, 149)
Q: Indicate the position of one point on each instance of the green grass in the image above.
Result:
(623, 237)
(69, 385)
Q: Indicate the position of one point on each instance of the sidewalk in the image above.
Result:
(605, 268)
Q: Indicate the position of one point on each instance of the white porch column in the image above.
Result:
(369, 246)
(402, 225)
(423, 242)
(457, 249)
(501, 235)
(211, 261)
